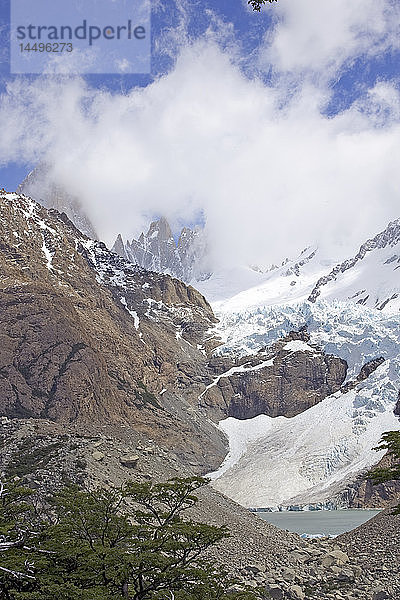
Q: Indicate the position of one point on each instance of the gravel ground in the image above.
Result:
(363, 564)
(375, 546)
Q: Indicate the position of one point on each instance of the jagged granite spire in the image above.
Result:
(157, 251)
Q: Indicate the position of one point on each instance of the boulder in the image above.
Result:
(296, 593)
(288, 574)
(255, 568)
(275, 591)
(97, 455)
(336, 557)
(129, 461)
(380, 594)
(346, 575)
(299, 555)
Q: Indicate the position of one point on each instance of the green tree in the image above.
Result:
(19, 530)
(130, 543)
(257, 4)
(391, 442)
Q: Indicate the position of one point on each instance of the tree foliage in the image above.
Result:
(391, 442)
(129, 543)
(257, 4)
(19, 529)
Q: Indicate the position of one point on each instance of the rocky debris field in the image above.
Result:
(360, 565)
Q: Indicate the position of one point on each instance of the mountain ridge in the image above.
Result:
(157, 251)
(40, 186)
(88, 338)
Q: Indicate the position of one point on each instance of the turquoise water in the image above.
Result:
(318, 522)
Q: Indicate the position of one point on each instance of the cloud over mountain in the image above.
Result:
(260, 163)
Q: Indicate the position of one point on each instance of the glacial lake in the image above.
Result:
(318, 522)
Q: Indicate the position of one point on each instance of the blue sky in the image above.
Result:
(249, 29)
(327, 69)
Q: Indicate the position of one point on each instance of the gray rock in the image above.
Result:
(356, 570)
(299, 555)
(380, 594)
(99, 456)
(256, 569)
(129, 461)
(336, 557)
(296, 593)
(288, 574)
(275, 591)
(346, 575)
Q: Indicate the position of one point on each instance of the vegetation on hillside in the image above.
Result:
(129, 543)
(391, 442)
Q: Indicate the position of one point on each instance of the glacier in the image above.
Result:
(351, 310)
(310, 458)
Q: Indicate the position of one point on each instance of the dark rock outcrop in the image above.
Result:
(279, 381)
(364, 373)
(397, 407)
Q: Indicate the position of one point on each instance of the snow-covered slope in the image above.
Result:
(244, 285)
(351, 310)
(310, 458)
(371, 278)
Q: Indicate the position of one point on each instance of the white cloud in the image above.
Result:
(269, 179)
(320, 35)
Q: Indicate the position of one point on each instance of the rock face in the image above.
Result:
(130, 461)
(284, 380)
(397, 407)
(87, 338)
(39, 186)
(365, 494)
(157, 251)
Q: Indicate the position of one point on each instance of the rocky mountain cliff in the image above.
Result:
(88, 338)
(157, 251)
(91, 340)
(283, 380)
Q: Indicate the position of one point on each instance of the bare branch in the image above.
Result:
(17, 574)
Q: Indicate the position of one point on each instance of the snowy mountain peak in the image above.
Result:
(157, 251)
(371, 277)
(160, 230)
